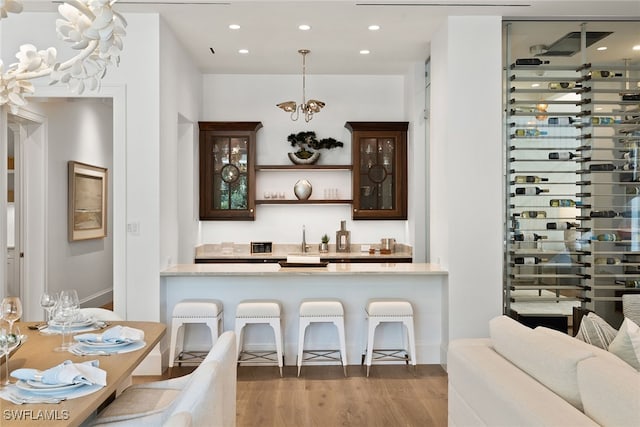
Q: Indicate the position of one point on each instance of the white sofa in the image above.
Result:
(538, 377)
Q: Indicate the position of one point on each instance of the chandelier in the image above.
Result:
(93, 28)
(308, 108)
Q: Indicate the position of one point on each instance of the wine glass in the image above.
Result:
(11, 310)
(8, 342)
(66, 310)
(48, 301)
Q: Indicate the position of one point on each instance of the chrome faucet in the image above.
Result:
(304, 241)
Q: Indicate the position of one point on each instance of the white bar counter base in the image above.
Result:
(424, 285)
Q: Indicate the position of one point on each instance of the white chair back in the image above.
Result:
(631, 307)
(100, 313)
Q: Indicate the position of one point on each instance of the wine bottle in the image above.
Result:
(528, 237)
(564, 225)
(529, 132)
(603, 120)
(602, 167)
(628, 167)
(562, 155)
(603, 214)
(528, 260)
(533, 214)
(563, 203)
(606, 237)
(529, 179)
(604, 74)
(530, 61)
(530, 191)
(609, 260)
(564, 85)
(632, 190)
(561, 120)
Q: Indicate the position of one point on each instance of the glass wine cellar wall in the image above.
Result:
(572, 180)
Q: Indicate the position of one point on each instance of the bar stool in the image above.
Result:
(390, 310)
(259, 312)
(207, 311)
(322, 311)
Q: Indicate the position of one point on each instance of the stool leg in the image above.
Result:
(175, 325)
(339, 322)
(240, 324)
(373, 324)
(302, 329)
(213, 328)
(412, 342)
(277, 332)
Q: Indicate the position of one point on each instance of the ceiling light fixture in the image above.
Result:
(304, 27)
(308, 108)
(636, 47)
(95, 30)
(234, 26)
(365, 52)
(243, 51)
(374, 27)
(602, 48)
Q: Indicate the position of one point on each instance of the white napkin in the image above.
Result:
(65, 373)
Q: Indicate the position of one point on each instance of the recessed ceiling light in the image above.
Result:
(374, 27)
(602, 48)
(304, 27)
(234, 26)
(243, 51)
(636, 47)
(365, 52)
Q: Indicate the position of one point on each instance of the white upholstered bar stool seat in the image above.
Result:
(390, 310)
(322, 311)
(190, 311)
(250, 312)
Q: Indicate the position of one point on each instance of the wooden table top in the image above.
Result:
(37, 352)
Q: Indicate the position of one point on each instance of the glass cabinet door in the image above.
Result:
(380, 173)
(227, 170)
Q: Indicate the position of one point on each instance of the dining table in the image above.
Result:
(37, 352)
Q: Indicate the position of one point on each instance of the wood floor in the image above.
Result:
(391, 396)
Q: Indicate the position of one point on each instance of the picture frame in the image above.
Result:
(87, 199)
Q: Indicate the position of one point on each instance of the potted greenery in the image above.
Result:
(308, 146)
(324, 246)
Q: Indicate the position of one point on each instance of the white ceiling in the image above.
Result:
(339, 30)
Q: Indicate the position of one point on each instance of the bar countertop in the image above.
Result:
(272, 269)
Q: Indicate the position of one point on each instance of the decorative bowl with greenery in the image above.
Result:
(308, 146)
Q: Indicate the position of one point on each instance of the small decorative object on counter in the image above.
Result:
(324, 245)
(343, 238)
(302, 189)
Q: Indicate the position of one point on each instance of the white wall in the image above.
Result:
(466, 169)
(83, 265)
(348, 98)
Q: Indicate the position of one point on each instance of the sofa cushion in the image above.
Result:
(598, 352)
(626, 345)
(548, 359)
(596, 331)
(485, 389)
(610, 393)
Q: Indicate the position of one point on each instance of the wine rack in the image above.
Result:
(572, 185)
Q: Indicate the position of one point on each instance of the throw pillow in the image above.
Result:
(596, 331)
(626, 345)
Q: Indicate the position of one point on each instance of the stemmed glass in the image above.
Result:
(48, 301)
(66, 311)
(11, 310)
(8, 342)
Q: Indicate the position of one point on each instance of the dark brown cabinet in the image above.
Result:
(379, 169)
(227, 175)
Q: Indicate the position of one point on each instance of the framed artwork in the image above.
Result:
(87, 201)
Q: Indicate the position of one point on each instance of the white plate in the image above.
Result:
(72, 325)
(36, 387)
(104, 344)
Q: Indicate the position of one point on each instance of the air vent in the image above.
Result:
(570, 43)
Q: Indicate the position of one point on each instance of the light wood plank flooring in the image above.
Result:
(391, 396)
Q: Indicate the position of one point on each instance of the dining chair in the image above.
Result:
(99, 313)
(631, 307)
(206, 397)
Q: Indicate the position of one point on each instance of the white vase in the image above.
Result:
(302, 189)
